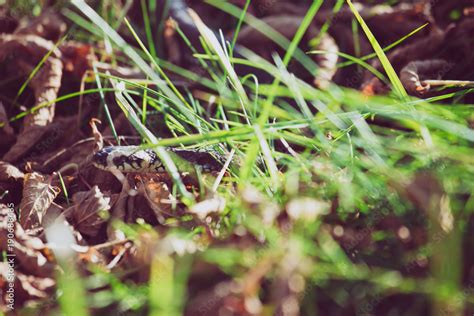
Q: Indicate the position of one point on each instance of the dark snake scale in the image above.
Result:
(136, 159)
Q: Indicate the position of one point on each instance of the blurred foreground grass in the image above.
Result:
(337, 166)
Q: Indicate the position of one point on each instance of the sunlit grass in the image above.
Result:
(329, 145)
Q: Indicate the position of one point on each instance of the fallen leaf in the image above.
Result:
(157, 195)
(48, 25)
(38, 194)
(25, 141)
(27, 287)
(10, 172)
(89, 212)
(77, 58)
(98, 138)
(413, 74)
(29, 251)
(29, 51)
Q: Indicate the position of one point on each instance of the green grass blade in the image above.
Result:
(302, 30)
(104, 103)
(337, 7)
(239, 25)
(129, 51)
(37, 68)
(355, 60)
(387, 48)
(213, 43)
(148, 30)
(151, 139)
(266, 30)
(392, 75)
(162, 283)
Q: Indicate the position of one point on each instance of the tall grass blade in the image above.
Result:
(392, 75)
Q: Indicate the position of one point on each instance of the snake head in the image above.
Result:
(100, 158)
(126, 159)
(136, 159)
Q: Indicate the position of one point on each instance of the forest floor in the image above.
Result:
(340, 137)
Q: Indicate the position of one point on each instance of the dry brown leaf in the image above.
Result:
(8, 224)
(89, 212)
(327, 62)
(413, 74)
(29, 251)
(48, 25)
(77, 58)
(38, 194)
(62, 145)
(46, 84)
(37, 141)
(25, 141)
(157, 195)
(8, 22)
(29, 51)
(98, 138)
(33, 261)
(27, 287)
(10, 172)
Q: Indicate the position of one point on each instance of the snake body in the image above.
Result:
(136, 159)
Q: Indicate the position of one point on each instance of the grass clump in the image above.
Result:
(318, 178)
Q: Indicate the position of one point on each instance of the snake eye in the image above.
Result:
(100, 158)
